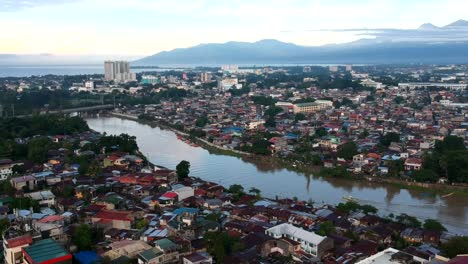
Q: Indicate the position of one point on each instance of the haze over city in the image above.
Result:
(234, 132)
(132, 29)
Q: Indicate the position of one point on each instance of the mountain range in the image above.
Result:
(426, 44)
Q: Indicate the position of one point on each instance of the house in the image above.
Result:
(390, 256)
(169, 249)
(198, 258)
(183, 192)
(46, 251)
(310, 242)
(116, 219)
(151, 256)
(127, 248)
(12, 248)
(6, 169)
(24, 181)
(413, 164)
(45, 198)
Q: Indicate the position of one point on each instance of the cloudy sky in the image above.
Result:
(143, 27)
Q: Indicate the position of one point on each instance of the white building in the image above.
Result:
(118, 71)
(89, 84)
(312, 107)
(205, 77)
(310, 242)
(372, 83)
(451, 86)
(392, 256)
(6, 169)
(183, 192)
(230, 68)
(229, 83)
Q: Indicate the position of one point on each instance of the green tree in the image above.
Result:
(450, 143)
(388, 138)
(320, 132)
(38, 148)
(94, 169)
(299, 117)
(455, 246)
(255, 191)
(220, 245)
(347, 207)
(399, 99)
(4, 225)
(408, 220)
(425, 175)
(141, 224)
(368, 209)
(237, 191)
(364, 134)
(183, 169)
(326, 228)
(83, 237)
(7, 188)
(201, 121)
(347, 150)
(273, 111)
(433, 225)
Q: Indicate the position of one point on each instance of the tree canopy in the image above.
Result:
(183, 169)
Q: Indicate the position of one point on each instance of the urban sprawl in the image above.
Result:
(71, 195)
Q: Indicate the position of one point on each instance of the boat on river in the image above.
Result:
(350, 198)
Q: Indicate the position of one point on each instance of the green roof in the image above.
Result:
(44, 250)
(5, 200)
(150, 254)
(306, 104)
(165, 244)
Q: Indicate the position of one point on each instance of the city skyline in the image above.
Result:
(142, 27)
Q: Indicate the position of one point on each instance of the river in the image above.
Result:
(163, 148)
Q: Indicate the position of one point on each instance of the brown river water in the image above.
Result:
(163, 148)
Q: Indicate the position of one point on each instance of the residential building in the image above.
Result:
(118, 71)
(198, 258)
(12, 248)
(46, 251)
(116, 219)
(312, 107)
(392, 256)
(205, 77)
(310, 242)
(45, 198)
(6, 169)
(451, 86)
(28, 181)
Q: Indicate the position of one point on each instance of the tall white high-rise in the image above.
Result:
(118, 71)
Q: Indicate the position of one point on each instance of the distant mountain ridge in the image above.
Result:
(427, 44)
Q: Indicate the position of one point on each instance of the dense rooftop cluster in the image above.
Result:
(71, 194)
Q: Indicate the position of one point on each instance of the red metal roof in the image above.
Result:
(51, 218)
(113, 215)
(19, 241)
(170, 195)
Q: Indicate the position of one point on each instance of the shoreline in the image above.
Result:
(444, 191)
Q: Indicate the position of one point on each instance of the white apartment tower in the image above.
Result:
(118, 71)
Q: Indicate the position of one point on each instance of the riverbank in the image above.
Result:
(275, 163)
